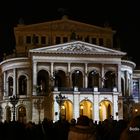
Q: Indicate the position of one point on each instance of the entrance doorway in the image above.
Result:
(105, 110)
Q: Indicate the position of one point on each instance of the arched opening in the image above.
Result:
(86, 108)
(77, 79)
(22, 84)
(22, 114)
(67, 110)
(60, 79)
(105, 110)
(122, 87)
(8, 114)
(10, 86)
(109, 80)
(93, 79)
(43, 86)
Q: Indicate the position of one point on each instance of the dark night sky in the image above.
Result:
(122, 16)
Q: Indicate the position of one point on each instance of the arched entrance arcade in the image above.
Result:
(86, 108)
(105, 110)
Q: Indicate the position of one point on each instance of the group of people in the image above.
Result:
(110, 129)
(81, 129)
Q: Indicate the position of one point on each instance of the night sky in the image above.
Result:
(124, 17)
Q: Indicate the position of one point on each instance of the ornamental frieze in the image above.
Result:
(75, 48)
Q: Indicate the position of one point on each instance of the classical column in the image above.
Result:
(96, 106)
(5, 84)
(131, 83)
(86, 79)
(76, 105)
(119, 78)
(56, 109)
(14, 81)
(52, 67)
(115, 105)
(52, 77)
(68, 76)
(126, 83)
(34, 78)
(102, 76)
(139, 91)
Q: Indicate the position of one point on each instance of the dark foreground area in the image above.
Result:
(109, 129)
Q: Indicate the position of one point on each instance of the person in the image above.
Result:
(132, 131)
(82, 130)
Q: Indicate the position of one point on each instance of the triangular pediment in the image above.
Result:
(77, 47)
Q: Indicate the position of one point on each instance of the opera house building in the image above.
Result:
(62, 69)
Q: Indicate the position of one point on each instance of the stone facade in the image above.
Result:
(62, 69)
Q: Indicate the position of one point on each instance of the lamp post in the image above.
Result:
(60, 100)
(14, 100)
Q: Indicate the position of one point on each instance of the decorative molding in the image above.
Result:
(75, 48)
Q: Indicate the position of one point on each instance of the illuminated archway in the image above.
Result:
(105, 110)
(67, 110)
(86, 108)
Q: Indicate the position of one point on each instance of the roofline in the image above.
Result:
(63, 19)
(13, 59)
(130, 63)
(75, 42)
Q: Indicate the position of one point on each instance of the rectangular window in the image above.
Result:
(135, 89)
(28, 39)
(101, 42)
(43, 40)
(93, 40)
(57, 41)
(65, 39)
(87, 39)
(36, 39)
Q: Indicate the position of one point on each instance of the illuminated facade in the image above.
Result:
(72, 59)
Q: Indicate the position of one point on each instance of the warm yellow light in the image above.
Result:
(136, 110)
(63, 107)
(81, 107)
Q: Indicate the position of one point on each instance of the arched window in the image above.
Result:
(8, 114)
(42, 82)
(77, 79)
(109, 81)
(22, 85)
(60, 79)
(22, 114)
(93, 79)
(10, 86)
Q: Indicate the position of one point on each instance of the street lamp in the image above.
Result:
(14, 100)
(60, 100)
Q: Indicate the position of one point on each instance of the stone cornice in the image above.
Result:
(77, 48)
(20, 59)
(79, 53)
(128, 63)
